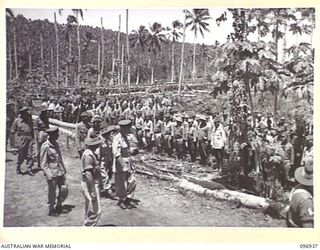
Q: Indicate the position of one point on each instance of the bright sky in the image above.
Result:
(137, 17)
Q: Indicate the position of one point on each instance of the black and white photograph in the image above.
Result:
(164, 117)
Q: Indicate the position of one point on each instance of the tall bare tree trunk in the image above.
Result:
(128, 52)
(112, 69)
(276, 83)
(194, 60)
(98, 66)
(9, 60)
(152, 80)
(15, 51)
(138, 74)
(284, 41)
(172, 62)
(41, 52)
(182, 54)
(52, 60)
(102, 51)
(119, 71)
(79, 50)
(30, 55)
(122, 64)
(68, 78)
(57, 44)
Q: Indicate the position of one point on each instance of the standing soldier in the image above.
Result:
(107, 134)
(82, 131)
(41, 124)
(148, 132)
(122, 165)
(192, 140)
(168, 134)
(178, 137)
(203, 140)
(90, 180)
(139, 128)
(218, 142)
(54, 170)
(158, 131)
(23, 128)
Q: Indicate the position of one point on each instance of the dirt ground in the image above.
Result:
(161, 204)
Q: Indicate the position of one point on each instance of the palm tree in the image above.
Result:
(138, 40)
(78, 12)
(197, 20)
(155, 38)
(11, 18)
(182, 52)
(174, 34)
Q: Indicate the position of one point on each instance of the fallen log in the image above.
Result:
(272, 208)
(224, 194)
(159, 176)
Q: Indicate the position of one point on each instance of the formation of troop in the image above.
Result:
(111, 132)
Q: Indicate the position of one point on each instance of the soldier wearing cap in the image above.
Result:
(106, 174)
(90, 170)
(178, 137)
(41, 124)
(192, 139)
(122, 166)
(168, 133)
(82, 131)
(148, 132)
(139, 123)
(218, 142)
(203, 139)
(53, 168)
(300, 212)
(22, 127)
(158, 131)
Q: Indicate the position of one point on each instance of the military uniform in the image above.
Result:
(40, 127)
(81, 134)
(23, 129)
(301, 207)
(89, 162)
(158, 130)
(54, 170)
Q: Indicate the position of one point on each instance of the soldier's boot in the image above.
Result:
(18, 169)
(30, 165)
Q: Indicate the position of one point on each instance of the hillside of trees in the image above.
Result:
(37, 54)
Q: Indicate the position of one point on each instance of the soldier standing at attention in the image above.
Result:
(54, 169)
(122, 165)
(218, 142)
(178, 137)
(106, 174)
(148, 132)
(202, 140)
(158, 130)
(23, 128)
(139, 128)
(90, 171)
(192, 140)
(82, 131)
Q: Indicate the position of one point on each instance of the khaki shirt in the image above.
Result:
(51, 160)
(301, 206)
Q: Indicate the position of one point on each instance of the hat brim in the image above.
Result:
(301, 179)
(92, 143)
